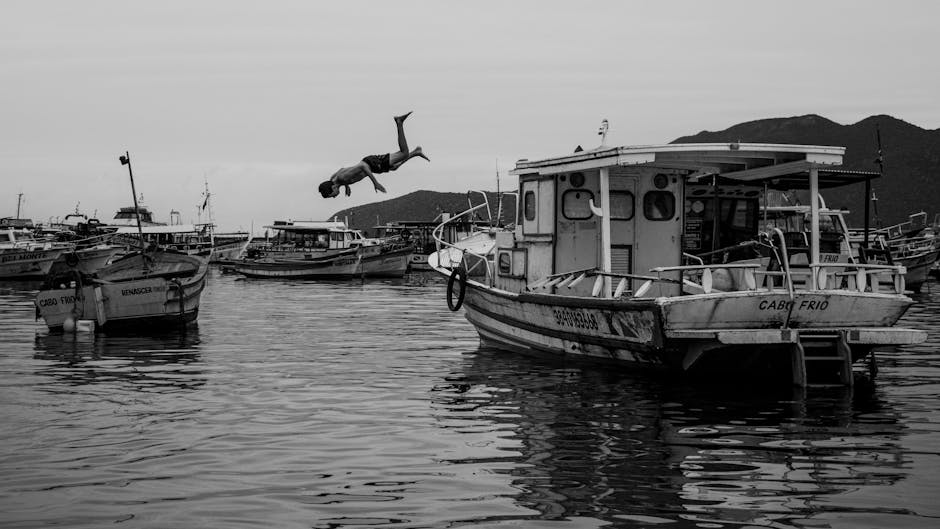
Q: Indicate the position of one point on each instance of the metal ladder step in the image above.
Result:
(837, 344)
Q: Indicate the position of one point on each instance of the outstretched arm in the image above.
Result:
(375, 183)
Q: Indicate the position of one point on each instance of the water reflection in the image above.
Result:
(155, 362)
(590, 443)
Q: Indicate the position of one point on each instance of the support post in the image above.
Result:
(798, 364)
(814, 224)
(605, 228)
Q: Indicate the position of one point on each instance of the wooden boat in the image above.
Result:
(654, 257)
(312, 249)
(911, 244)
(145, 289)
(157, 288)
(22, 257)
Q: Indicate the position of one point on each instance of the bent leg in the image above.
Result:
(396, 159)
(400, 125)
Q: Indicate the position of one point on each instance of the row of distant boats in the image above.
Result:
(703, 259)
(134, 272)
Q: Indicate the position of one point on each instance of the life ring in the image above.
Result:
(71, 259)
(459, 275)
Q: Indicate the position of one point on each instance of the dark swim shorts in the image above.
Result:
(378, 163)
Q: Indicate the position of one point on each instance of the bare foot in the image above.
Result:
(419, 152)
(403, 117)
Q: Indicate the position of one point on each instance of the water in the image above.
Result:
(306, 404)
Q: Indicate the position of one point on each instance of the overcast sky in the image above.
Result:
(267, 99)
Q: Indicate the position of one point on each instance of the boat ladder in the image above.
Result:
(822, 360)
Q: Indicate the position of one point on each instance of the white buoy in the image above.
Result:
(69, 324)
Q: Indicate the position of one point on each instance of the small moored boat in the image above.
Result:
(311, 250)
(160, 288)
(145, 289)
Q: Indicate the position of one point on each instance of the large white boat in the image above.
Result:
(324, 249)
(663, 257)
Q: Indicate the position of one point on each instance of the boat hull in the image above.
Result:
(156, 301)
(918, 268)
(754, 333)
(90, 260)
(228, 251)
(361, 263)
(630, 334)
(27, 264)
(419, 263)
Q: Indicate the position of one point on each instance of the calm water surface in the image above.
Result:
(310, 404)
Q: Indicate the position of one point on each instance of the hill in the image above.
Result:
(422, 206)
(911, 179)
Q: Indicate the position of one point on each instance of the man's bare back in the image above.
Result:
(350, 175)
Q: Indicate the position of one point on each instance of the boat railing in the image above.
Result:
(575, 277)
(912, 246)
(456, 256)
(726, 277)
(915, 222)
(486, 202)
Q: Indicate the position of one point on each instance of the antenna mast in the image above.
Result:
(207, 204)
(499, 198)
(602, 132)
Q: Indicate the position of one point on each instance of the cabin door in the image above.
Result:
(577, 244)
(658, 228)
(622, 225)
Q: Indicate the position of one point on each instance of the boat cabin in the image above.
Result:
(628, 211)
(186, 238)
(315, 235)
(127, 216)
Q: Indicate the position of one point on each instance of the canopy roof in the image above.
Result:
(308, 226)
(160, 229)
(779, 166)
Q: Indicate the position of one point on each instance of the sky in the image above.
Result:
(265, 100)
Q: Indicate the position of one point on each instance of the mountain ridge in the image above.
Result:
(911, 156)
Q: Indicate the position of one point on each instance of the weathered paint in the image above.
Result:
(117, 303)
(762, 309)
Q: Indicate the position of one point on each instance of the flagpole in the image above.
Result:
(126, 160)
(208, 204)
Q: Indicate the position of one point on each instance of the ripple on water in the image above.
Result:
(368, 404)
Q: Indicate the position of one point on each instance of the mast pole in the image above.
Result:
(126, 160)
(879, 161)
(209, 208)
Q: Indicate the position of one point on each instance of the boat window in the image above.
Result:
(505, 263)
(621, 205)
(659, 205)
(576, 204)
(529, 205)
(512, 263)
